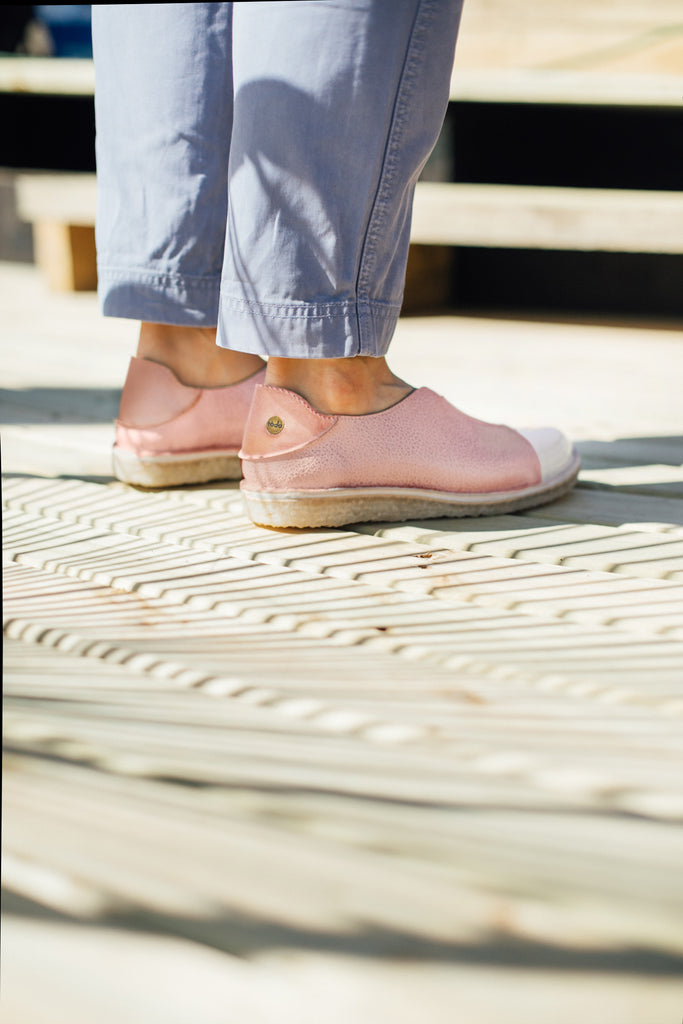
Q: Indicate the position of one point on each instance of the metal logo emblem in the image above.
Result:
(274, 425)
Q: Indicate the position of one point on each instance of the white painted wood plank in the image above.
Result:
(664, 481)
(171, 979)
(517, 216)
(529, 217)
(612, 509)
(176, 587)
(577, 88)
(65, 76)
(76, 76)
(69, 197)
(635, 455)
(451, 878)
(647, 680)
(505, 759)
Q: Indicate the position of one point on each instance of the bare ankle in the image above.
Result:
(351, 387)
(193, 356)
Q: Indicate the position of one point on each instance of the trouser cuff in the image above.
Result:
(307, 331)
(159, 298)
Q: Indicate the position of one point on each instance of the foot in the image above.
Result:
(183, 409)
(347, 387)
(418, 458)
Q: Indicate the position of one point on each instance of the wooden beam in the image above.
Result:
(57, 196)
(530, 217)
(66, 255)
(572, 88)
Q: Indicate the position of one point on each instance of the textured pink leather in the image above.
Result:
(422, 442)
(301, 424)
(160, 416)
(153, 394)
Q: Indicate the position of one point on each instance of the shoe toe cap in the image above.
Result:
(554, 450)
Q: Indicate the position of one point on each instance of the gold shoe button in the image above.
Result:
(274, 425)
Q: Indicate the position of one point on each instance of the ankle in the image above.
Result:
(351, 387)
(193, 356)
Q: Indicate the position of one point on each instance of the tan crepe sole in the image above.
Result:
(344, 505)
(175, 470)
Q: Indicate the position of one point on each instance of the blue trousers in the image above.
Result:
(256, 164)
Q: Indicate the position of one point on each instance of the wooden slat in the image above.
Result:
(172, 978)
(530, 217)
(457, 214)
(252, 574)
(565, 87)
(63, 196)
(61, 76)
(491, 84)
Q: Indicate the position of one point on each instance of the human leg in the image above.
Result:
(318, 234)
(164, 114)
(336, 109)
(163, 104)
(314, 268)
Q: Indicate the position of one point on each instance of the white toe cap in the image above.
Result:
(554, 450)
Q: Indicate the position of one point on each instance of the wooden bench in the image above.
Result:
(61, 206)
(61, 209)
(76, 77)
(535, 217)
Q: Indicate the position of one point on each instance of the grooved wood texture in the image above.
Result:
(396, 772)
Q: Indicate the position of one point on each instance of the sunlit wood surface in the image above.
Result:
(616, 36)
(417, 772)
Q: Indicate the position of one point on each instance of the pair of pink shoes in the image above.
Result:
(419, 459)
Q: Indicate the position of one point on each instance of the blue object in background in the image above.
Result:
(69, 26)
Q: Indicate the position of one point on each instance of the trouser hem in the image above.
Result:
(159, 297)
(299, 330)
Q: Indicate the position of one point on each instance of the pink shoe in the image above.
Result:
(420, 459)
(169, 434)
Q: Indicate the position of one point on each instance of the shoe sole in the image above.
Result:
(175, 470)
(344, 505)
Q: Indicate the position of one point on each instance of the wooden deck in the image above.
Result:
(400, 773)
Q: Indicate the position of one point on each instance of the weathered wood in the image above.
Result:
(62, 196)
(444, 757)
(571, 35)
(66, 254)
(171, 979)
(579, 87)
(447, 214)
(491, 82)
(60, 76)
(531, 217)
(314, 776)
